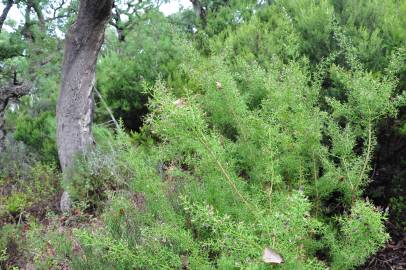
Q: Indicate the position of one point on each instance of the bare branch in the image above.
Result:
(5, 13)
(12, 91)
(40, 16)
(56, 10)
(107, 108)
(15, 91)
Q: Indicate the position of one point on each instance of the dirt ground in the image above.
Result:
(392, 256)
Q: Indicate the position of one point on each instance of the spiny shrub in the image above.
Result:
(233, 172)
(224, 181)
(360, 234)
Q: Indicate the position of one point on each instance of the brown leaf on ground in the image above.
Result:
(391, 257)
(271, 256)
(139, 200)
(179, 103)
(185, 262)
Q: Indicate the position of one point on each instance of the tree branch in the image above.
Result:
(5, 13)
(40, 16)
(107, 108)
(15, 90)
(12, 91)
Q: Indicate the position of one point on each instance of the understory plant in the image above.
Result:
(225, 180)
(260, 150)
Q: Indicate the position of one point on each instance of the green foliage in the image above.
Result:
(233, 180)
(10, 243)
(10, 46)
(375, 27)
(27, 190)
(257, 129)
(39, 133)
(362, 234)
(148, 53)
(313, 20)
(267, 34)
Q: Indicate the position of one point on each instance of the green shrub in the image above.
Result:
(10, 246)
(39, 134)
(16, 202)
(225, 181)
(263, 139)
(362, 234)
(99, 171)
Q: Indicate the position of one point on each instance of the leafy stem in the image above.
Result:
(368, 153)
(230, 182)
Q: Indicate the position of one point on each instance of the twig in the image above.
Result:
(368, 150)
(315, 176)
(107, 108)
(227, 177)
(367, 154)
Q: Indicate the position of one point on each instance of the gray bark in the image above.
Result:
(4, 14)
(13, 91)
(199, 10)
(75, 103)
(35, 5)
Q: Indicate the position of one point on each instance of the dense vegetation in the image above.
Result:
(253, 126)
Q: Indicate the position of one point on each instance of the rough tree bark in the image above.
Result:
(199, 9)
(12, 91)
(75, 103)
(4, 14)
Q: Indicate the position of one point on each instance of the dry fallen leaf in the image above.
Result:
(50, 250)
(185, 262)
(179, 103)
(271, 256)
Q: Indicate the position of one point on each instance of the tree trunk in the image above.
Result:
(75, 103)
(199, 10)
(4, 14)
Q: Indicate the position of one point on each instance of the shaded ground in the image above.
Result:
(388, 190)
(391, 257)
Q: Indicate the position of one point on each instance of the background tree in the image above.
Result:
(126, 14)
(149, 53)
